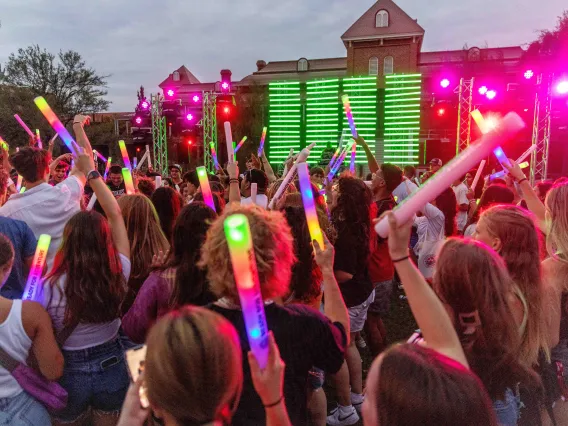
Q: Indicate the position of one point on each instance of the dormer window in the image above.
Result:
(302, 65)
(382, 19)
(176, 76)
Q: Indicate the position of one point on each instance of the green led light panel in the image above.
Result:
(285, 119)
(322, 119)
(402, 118)
(362, 93)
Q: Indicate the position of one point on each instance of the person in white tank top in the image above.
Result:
(23, 323)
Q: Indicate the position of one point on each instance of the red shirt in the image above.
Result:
(381, 267)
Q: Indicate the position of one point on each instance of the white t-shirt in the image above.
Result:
(85, 335)
(261, 201)
(429, 227)
(403, 190)
(46, 209)
(470, 230)
(461, 197)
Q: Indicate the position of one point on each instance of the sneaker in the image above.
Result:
(358, 407)
(337, 419)
(360, 342)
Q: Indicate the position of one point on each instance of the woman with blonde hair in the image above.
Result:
(146, 240)
(207, 390)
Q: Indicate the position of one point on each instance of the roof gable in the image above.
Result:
(399, 23)
(185, 77)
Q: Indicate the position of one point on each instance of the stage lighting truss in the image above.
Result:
(541, 127)
(159, 135)
(465, 92)
(209, 128)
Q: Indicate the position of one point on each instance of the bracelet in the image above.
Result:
(274, 404)
(233, 181)
(401, 259)
(77, 122)
(522, 180)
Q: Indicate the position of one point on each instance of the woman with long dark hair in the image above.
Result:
(168, 204)
(83, 293)
(179, 281)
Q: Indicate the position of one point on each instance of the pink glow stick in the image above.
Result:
(253, 192)
(349, 114)
(128, 183)
(262, 138)
(353, 157)
(124, 153)
(55, 123)
(239, 241)
(205, 187)
(107, 167)
(101, 156)
(229, 140)
(478, 174)
(158, 181)
(214, 155)
(241, 143)
(505, 130)
(32, 290)
(338, 164)
(24, 126)
(38, 139)
(335, 155)
(309, 204)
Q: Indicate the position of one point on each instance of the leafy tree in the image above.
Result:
(551, 45)
(67, 83)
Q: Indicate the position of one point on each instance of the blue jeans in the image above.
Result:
(23, 410)
(507, 411)
(95, 377)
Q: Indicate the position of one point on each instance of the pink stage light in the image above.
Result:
(189, 117)
(225, 85)
(445, 83)
(145, 105)
(138, 120)
(196, 99)
(491, 94)
(170, 93)
(562, 87)
(529, 74)
(483, 90)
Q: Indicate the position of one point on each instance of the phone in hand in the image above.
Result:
(135, 359)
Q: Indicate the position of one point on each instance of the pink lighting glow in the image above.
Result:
(225, 85)
(138, 120)
(145, 105)
(170, 93)
(189, 117)
(196, 99)
(562, 87)
(445, 83)
(483, 90)
(529, 74)
(491, 94)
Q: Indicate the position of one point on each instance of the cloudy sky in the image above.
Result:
(141, 42)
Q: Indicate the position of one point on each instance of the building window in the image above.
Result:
(303, 64)
(382, 19)
(388, 66)
(374, 66)
(176, 76)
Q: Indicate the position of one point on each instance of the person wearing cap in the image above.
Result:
(175, 175)
(435, 165)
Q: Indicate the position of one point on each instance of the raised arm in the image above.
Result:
(55, 162)
(373, 165)
(533, 202)
(234, 188)
(267, 168)
(82, 141)
(428, 310)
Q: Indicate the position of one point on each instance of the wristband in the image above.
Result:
(274, 404)
(77, 122)
(522, 180)
(233, 181)
(401, 259)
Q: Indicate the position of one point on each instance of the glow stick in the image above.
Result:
(526, 154)
(158, 181)
(337, 164)
(38, 139)
(349, 114)
(135, 162)
(149, 157)
(32, 290)
(309, 204)
(124, 154)
(214, 155)
(506, 129)
(234, 154)
(335, 154)
(23, 190)
(253, 192)
(55, 123)
(101, 156)
(205, 188)
(4, 145)
(24, 126)
(239, 241)
(107, 167)
(128, 183)
(478, 175)
(241, 143)
(262, 138)
(353, 156)
(485, 128)
(229, 140)
(92, 202)
(144, 158)
(19, 183)
(502, 173)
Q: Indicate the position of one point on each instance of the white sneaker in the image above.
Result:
(337, 419)
(360, 342)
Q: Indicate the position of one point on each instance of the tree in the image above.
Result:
(551, 45)
(64, 80)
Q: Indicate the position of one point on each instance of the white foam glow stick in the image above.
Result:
(229, 140)
(92, 202)
(149, 157)
(253, 192)
(144, 157)
(158, 180)
(478, 174)
(526, 154)
(505, 130)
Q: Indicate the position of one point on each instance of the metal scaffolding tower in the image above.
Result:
(541, 128)
(159, 135)
(209, 128)
(465, 92)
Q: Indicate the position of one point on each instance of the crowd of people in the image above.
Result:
(484, 271)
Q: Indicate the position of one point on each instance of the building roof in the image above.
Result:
(288, 70)
(512, 53)
(185, 77)
(399, 23)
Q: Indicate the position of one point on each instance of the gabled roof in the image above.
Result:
(399, 23)
(185, 77)
(313, 65)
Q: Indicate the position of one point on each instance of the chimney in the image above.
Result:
(260, 64)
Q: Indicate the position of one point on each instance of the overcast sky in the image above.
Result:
(141, 42)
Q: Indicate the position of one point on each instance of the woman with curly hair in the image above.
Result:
(351, 218)
(179, 281)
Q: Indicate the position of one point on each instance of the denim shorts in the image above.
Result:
(23, 410)
(358, 314)
(96, 377)
(507, 411)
